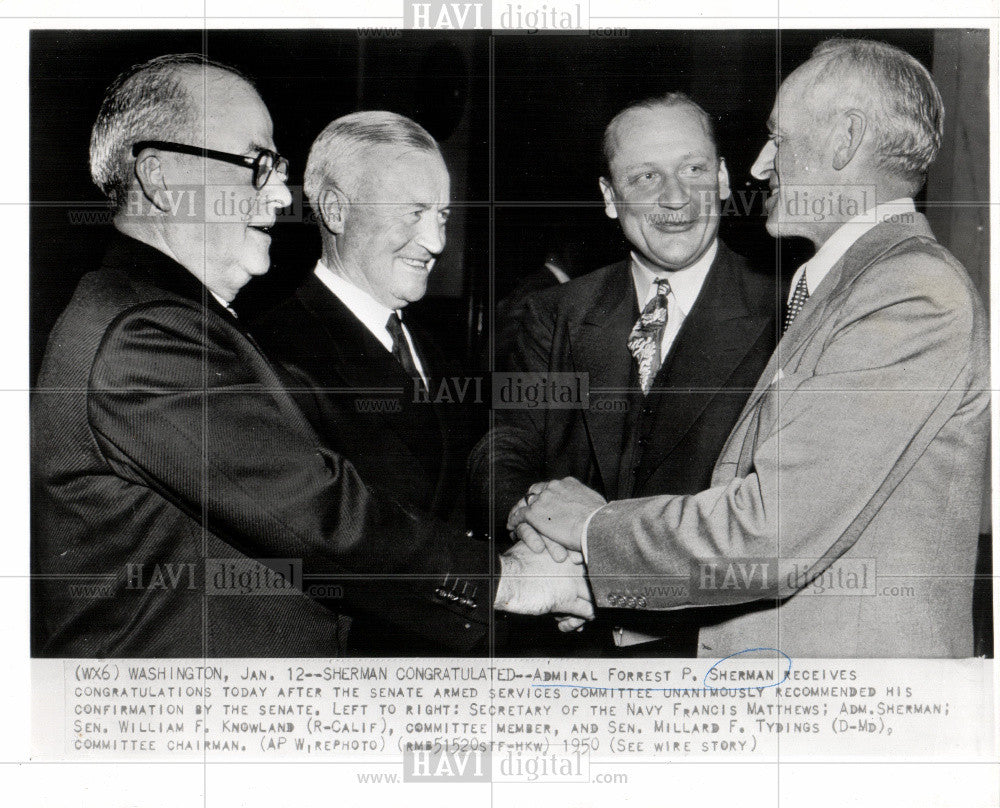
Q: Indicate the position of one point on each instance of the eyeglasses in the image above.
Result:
(263, 165)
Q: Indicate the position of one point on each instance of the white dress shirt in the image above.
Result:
(368, 310)
(833, 249)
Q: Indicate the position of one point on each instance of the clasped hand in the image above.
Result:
(544, 572)
(552, 516)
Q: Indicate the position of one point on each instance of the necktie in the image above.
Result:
(401, 348)
(647, 334)
(799, 298)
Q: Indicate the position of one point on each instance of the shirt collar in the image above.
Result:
(368, 310)
(685, 284)
(834, 248)
(220, 301)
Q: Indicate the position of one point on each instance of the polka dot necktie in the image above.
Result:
(799, 298)
(647, 334)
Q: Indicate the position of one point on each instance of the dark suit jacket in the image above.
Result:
(411, 446)
(167, 456)
(583, 327)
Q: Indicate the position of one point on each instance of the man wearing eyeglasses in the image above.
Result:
(182, 505)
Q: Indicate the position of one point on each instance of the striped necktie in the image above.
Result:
(647, 334)
(799, 298)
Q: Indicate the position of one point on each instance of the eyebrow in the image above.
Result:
(652, 164)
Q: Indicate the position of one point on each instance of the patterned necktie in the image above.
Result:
(799, 298)
(401, 348)
(647, 334)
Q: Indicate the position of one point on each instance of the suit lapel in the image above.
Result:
(716, 335)
(862, 254)
(598, 347)
(367, 369)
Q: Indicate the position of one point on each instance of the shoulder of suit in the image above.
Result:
(924, 268)
(584, 288)
(288, 313)
(105, 295)
(759, 280)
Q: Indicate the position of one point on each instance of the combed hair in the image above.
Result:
(897, 93)
(340, 149)
(146, 102)
(657, 102)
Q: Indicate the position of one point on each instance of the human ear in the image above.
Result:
(608, 192)
(332, 208)
(851, 132)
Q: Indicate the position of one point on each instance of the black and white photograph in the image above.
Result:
(307, 480)
(505, 402)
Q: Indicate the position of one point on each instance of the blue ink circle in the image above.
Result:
(705, 683)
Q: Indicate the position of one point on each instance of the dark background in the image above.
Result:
(523, 151)
(555, 95)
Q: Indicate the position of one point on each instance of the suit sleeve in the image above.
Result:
(181, 402)
(514, 448)
(825, 446)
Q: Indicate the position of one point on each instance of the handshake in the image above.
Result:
(544, 572)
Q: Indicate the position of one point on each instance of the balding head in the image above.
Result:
(896, 93)
(612, 133)
(149, 101)
(347, 147)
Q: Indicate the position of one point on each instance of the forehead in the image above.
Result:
(661, 133)
(231, 114)
(404, 174)
(795, 96)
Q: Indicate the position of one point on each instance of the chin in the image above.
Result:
(413, 294)
(678, 259)
(258, 267)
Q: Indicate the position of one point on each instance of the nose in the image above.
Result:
(674, 194)
(278, 195)
(431, 235)
(763, 166)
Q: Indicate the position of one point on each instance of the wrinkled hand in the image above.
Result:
(535, 583)
(554, 513)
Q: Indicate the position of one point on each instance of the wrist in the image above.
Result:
(510, 569)
(582, 534)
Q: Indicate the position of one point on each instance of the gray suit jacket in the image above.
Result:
(843, 514)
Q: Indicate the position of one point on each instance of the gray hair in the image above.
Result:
(148, 101)
(340, 150)
(668, 101)
(897, 93)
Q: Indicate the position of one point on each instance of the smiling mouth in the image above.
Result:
(669, 223)
(424, 264)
